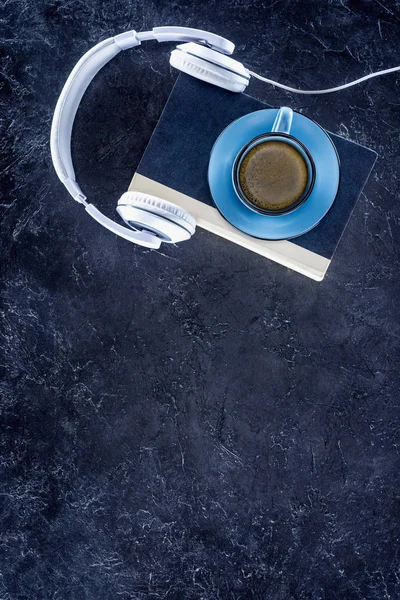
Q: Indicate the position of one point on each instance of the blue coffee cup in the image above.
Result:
(280, 133)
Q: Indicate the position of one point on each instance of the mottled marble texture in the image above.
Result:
(194, 423)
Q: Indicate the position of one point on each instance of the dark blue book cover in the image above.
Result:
(175, 163)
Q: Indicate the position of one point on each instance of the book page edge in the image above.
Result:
(284, 252)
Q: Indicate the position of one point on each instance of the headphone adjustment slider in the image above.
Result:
(75, 191)
(127, 40)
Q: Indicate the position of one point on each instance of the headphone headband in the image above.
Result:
(187, 34)
(73, 91)
(83, 73)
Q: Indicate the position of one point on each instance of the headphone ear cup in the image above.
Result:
(145, 212)
(208, 71)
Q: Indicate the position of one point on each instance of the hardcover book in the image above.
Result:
(174, 167)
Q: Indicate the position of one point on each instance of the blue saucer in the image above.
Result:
(267, 227)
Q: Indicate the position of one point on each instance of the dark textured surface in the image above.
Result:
(195, 115)
(195, 423)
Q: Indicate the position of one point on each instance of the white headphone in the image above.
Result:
(150, 219)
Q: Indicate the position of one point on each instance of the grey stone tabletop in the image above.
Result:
(196, 422)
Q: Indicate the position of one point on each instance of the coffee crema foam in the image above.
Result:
(273, 175)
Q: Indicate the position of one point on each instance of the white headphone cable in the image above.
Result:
(327, 91)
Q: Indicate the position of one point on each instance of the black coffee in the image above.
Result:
(273, 175)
